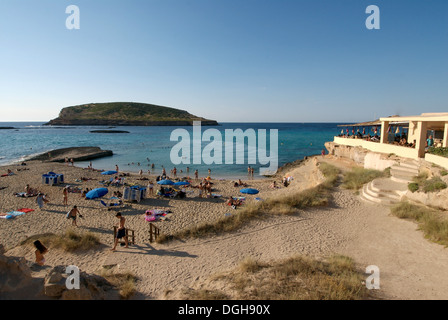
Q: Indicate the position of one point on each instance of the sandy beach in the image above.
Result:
(411, 266)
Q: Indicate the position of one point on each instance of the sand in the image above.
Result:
(411, 267)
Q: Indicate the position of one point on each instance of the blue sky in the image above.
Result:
(228, 60)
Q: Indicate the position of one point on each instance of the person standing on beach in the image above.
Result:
(40, 200)
(196, 175)
(72, 215)
(121, 233)
(72, 162)
(150, 188)
(65, 195)
(116, 168)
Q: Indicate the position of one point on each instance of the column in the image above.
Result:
(445, 136)
(421, 138)
(384, 133)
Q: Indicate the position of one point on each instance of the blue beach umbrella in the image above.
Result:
(249, 191)
(108, 173)
(96, 193)
(165, 182)
(182, 183)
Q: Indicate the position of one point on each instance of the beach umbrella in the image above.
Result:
(96, 193)
(165, 182)
(108, 173)
(182, 183)
(249, 191)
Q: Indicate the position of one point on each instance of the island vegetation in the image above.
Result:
(126, 114)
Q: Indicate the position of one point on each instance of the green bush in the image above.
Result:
(443, 152)
(434, 184)
(413, 187)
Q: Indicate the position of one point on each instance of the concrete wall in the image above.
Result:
(361, 156)
(379, 147)
(441, 161)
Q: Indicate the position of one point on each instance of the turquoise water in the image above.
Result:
(132, 150)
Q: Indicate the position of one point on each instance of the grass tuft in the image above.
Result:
(355, 179)
(296, 278)
(433, 223)
(70, 241)
(125, 282)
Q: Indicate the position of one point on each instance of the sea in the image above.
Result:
(152, 148)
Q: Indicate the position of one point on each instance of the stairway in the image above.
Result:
(389, 191)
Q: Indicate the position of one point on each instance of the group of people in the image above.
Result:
(69, 162)
(205, 188)
(239, 184)
(250, 172)
(41, 249)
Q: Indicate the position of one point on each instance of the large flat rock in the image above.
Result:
(75, 153)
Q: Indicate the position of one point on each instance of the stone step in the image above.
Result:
(387, 185)
(381, 198)
(371, 190)
(401, 169)
(411, 165)
(376, 201)
(401, 179)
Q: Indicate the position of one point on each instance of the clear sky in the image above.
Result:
(227, 60)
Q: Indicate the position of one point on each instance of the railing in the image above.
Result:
(154, 232)
(130, 235)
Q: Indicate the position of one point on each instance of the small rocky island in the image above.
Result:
(125, 114)
(109, 131)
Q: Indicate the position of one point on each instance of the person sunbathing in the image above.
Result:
(273, 185)
(30, 191)
(241, 183)
(233, 202)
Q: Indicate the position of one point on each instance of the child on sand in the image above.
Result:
(40, 251)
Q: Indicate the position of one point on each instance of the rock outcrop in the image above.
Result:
(75, 153)
(18, 281)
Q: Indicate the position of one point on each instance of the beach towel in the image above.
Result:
(150, 218)
(6, 216)
(15, 213)
(25, 210)
(24, 195)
